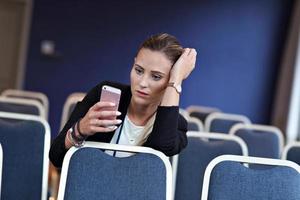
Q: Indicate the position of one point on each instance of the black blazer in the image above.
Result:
(168, 134)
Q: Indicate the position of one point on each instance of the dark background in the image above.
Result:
(239, 44)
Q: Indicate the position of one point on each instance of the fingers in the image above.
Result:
(105, 123)
(102, 104)
(94, 125)
(186, 51)
(191, 51)
(98, 125)
(192, 54)
(104, 114)
(189, 54)
(100, 118)
(96, 129)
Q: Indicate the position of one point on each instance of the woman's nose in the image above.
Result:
(144, 82)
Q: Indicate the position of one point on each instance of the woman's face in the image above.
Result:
(149, 77)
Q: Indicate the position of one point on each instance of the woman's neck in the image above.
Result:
(140, 114)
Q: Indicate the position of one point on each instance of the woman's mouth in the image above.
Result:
(142, 94)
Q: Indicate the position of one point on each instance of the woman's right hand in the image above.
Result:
(99, 119)
(183, 66)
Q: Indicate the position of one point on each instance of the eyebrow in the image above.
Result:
(152, 70)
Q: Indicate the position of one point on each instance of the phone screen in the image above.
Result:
(111, 94)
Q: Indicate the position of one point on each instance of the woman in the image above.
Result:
(148, 110)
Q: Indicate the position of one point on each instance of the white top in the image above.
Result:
(131, 135)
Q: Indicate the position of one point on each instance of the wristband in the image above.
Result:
(72, 140)
(77, 141)
(78, 129)
(68, 136)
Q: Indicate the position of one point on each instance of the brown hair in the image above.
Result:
(165, 43)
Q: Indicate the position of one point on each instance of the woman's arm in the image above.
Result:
(58, 147)
(169, 131)
(180, 71)
(93, 121)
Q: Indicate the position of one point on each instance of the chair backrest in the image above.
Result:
(262, 140)
(1, 166)
(222, 122)
(25, 140)
(22, 106)
(226, 178)
(194, 124)
(190, 164)
(89, 173)
(69, 106)
(184, 113)
(292, 152)
(201, 112)
(42, 98)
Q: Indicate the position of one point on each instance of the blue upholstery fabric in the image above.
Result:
(193, 161)
(222, 125)
(294, 154)
(260, 144)
(95, 175)
(17, 108)
(192, 126)
(233, 181)
(23, 148)
(200, 115)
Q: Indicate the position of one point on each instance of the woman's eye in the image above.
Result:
(138, 71)
(156, 77)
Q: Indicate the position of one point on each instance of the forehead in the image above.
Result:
(153, 60)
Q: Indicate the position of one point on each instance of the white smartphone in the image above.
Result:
(111, 94)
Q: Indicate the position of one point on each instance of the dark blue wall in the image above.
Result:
(239, 44)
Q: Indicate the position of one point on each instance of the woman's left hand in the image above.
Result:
(183, 66)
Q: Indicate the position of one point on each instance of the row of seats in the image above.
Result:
(212, 119)
(148, 168)
(147, 174)
(262, 140)
(182, 188)
(190, 165)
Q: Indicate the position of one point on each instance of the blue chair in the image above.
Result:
(90, 173)
(69, 106)
(22, 106)
(227, 179)
(184, 113)
(222, 122)
(292, 152)
(24, 94)
(190, 164)
(194, 124)
(262, 140)
(25, 140)
(201, 112)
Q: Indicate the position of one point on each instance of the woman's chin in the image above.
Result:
(141, 101)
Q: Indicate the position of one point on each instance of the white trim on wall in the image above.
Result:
(23, 53)
(293, 118)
